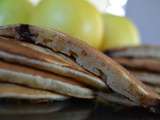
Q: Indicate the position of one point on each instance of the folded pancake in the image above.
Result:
(146, 64)
(43, 80)
(8, 90)
(115, 76)
(143, 51)
(42, 58)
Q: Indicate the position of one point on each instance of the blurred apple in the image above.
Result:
(119, 32)
(14, 11)
(78, 18)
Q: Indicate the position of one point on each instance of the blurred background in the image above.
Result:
(145, 14)
(103, 24)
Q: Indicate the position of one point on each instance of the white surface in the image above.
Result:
(35, 2)
(116, 7)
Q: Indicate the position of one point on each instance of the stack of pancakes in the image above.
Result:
(41, 64)
(142, 61)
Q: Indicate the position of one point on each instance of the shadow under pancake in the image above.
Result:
(69, 110)
(104, 113)
(72, 110)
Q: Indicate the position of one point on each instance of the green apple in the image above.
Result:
(119, 32)
(14, 11)
(78, 18)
